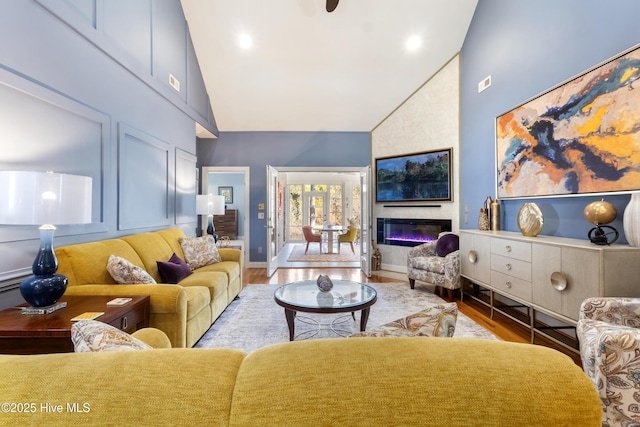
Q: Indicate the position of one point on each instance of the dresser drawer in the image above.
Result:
(510, 285)
(511, 267)
(511, 249)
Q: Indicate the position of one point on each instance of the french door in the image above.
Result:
(272, 220)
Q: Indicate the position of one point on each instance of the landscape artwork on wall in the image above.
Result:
(582, 137)
(424, 176)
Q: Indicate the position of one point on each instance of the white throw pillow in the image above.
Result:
(437, 320)
(124, 272)
(92, 335)
(199, 251)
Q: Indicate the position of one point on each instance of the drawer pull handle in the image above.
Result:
(507, 248)
(508, 266)
(125, 323)
(558, 281)
(508, 284)
(473, 257)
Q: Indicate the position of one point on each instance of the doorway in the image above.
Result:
(234, 183)
(316, 198)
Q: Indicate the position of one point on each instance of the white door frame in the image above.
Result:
(271, 226)
(285, 169)
(247, 178)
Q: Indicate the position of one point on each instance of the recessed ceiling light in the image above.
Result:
(413, 43)
(245, 41)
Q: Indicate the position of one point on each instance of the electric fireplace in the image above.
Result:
(410, 231)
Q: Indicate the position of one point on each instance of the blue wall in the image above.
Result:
(280, 149)
(235, 180)
(527, 48)
(84, 90)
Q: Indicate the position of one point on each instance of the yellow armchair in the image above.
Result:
(349, 237)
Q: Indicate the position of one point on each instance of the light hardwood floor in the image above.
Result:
(500, 326)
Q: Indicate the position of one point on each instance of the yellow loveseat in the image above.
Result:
(184, 311)
(325, 382)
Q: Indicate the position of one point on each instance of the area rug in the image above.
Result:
(314, 255)
(254, 320)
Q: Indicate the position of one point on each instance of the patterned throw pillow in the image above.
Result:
(124, 272)
(447, 244)
(438, 320)
(173, 270)
(199, 251)
(92, 335)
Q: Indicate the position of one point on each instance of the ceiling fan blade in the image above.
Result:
(331, 5)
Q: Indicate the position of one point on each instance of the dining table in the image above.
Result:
(330, 235)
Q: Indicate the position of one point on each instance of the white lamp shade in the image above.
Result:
(37, 198)
(218, 205)
(208, 204)
(202, 204)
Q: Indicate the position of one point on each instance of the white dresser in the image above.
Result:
(544, 274)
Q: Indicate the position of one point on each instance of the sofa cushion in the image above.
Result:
(215, 281)
(199, 251)
(92, 335)
(84, 263)
(151, 247)
(174, 270)
(437, 320)
(198, 299)
(447, 244)
(123, 271)
(230, 268)
(171, 236)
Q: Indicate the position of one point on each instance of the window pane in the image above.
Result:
(335, 204)
(295, 212)
(355, 204)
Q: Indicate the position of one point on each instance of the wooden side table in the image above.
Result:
(51, 333)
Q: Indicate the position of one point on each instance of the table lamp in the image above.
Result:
(46, 199)
(210, 205)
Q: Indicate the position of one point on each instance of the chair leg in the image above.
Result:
(450, 293)
(412, 283)
(352, 250)
(305, 251)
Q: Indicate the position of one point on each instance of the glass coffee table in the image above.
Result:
(344, 297)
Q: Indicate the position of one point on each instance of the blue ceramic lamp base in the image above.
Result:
(45, 287)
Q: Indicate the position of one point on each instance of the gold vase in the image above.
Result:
(495, 215)
(483, 219)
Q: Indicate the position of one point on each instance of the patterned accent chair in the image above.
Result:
(609, 334)
(436, 263)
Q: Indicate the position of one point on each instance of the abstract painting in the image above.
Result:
(582, 137)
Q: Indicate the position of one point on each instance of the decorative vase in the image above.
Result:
(495, 215)
(631, 220)
(324, 283)
(483, 219)
(224, 241)
(530, 219)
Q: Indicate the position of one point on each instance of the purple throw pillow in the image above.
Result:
(173, 270)
(447, 244)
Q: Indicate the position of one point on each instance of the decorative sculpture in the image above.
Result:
(599, 213)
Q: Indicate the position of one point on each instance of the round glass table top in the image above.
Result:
(344, 296)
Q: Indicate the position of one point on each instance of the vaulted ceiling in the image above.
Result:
(289, 65)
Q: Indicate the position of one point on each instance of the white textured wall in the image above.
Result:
(427, 120)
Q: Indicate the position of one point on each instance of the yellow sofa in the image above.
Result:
(325, 382)
(184, 311)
